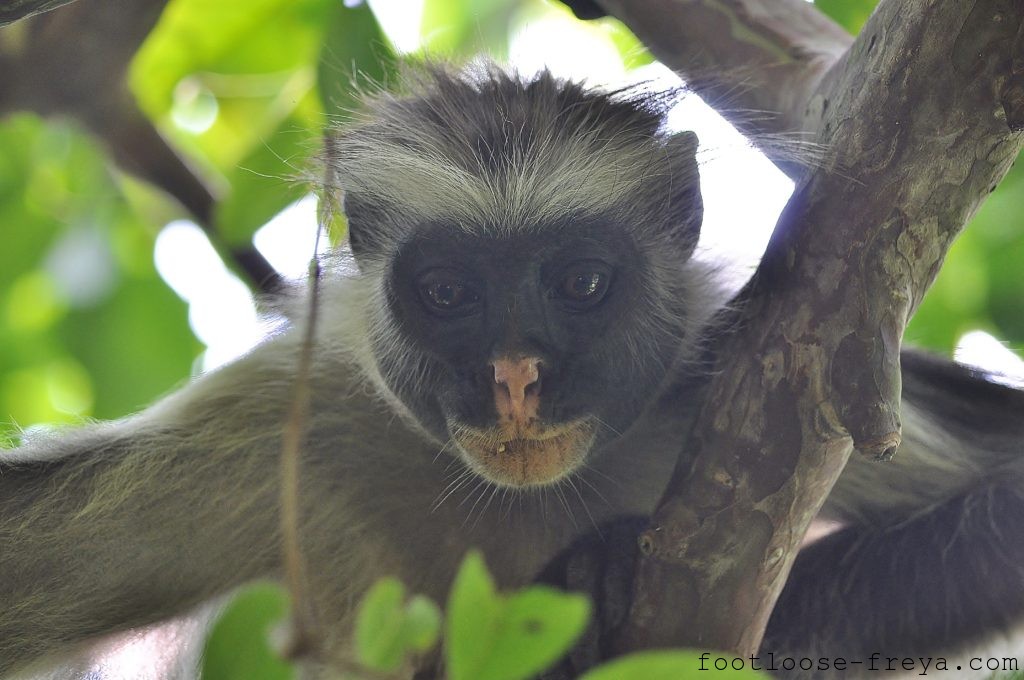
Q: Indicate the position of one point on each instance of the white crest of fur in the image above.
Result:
(448, 151)
(588, 176)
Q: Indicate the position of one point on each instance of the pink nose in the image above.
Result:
(516, 387)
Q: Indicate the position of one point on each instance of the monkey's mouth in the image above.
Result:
(538, 456)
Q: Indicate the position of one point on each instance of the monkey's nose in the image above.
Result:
(516, 386)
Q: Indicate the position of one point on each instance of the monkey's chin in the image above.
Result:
(536, 458)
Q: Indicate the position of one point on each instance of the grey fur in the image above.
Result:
(117, 525)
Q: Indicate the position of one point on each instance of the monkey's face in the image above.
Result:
(529, 349)
(527, 243)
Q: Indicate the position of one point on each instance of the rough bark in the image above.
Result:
(923, 120)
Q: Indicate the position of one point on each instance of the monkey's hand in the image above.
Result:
(602, 566)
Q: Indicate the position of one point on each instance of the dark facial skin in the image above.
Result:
(569, 296)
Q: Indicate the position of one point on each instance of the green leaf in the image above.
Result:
(850, 14)
(238, 647)
(474, 613)
(273, 173)
(539, 626)
(491, 637)
(387, 629)
(669, 665)
(422, 623)
(226, 78)
(238, 37)
(633, 52)
(379, 626)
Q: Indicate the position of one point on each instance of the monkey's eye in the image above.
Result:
(584, 285)
(446, 291)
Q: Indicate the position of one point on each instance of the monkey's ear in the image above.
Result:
(686, 204)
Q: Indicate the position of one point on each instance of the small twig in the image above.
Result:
(304, 627)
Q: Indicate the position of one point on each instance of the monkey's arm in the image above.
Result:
(112, 526)
(117, 525)
(121, 524)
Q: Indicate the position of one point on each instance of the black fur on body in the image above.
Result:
(510, 183)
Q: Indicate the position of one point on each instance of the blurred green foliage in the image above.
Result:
(233, 84)
(489, 635)
(390, 627)
(240, 643)
(87, 327)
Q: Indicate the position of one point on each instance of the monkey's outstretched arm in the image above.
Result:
(122, 524)
(117, 525)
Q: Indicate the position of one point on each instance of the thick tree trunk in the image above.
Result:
(919, 120)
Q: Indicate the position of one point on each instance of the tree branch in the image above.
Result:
(139, 149)
(763, 64)
(922, 125)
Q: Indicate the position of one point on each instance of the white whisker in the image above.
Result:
(583, 502)
(564, 502)
(480, 497)
(457, 483)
